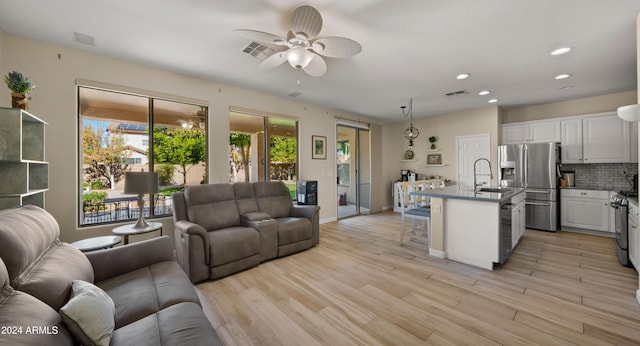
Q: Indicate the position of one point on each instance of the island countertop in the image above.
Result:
(467, 192)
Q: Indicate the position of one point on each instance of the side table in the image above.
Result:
(97, 243)
(128, 230)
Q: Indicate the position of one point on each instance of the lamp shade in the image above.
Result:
(629, 113)
(138, 183)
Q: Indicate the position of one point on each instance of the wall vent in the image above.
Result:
(457, 93)
(84, 39)
(295, 94)
(258, 50)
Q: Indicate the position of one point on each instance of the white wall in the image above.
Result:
(54, 100)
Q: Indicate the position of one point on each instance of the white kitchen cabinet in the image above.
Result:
(633, 128)
(605, 139)
(544, 131)
(585, 209)
(515, 133)
(634, 236)
(598, 138)
(571, 141)
(518, 220)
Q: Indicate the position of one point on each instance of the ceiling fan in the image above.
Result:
(301, 48)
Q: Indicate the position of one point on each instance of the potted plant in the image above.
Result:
(20, 87)
(433, 140)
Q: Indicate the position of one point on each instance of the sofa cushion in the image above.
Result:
(212, 206)
(180, 324)
(293, 229)
(19, 311)
(89, 314)
(37, 262)
(144, 291)
(273, 198)
(245, 198)
(233, 243)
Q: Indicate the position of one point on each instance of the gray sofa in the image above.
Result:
(222, 229)
(155, 303)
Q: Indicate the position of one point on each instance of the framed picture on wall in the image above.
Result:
(319, 147)
(434, 159)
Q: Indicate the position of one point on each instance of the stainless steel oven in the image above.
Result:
(621, 205)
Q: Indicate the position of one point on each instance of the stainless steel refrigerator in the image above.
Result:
(536, 168)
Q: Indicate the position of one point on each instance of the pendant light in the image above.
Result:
(410, 132)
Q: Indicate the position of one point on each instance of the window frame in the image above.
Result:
(151, 125)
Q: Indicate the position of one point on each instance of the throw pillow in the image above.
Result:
(89, 314)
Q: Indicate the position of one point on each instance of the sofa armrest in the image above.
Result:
(123, 259)
(191, 228)
(306, 211)
(311, 212)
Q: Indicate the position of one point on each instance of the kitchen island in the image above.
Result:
(474, 227)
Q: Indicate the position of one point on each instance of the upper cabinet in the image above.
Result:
(596, 138)
(601, 138)
(605, 138)
(571, 143)
(543, 131)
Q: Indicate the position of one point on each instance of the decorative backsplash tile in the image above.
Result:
(604, 175)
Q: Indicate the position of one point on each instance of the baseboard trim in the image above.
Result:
(328, 219)
(387, 207)
(437, 253)
(638, 296)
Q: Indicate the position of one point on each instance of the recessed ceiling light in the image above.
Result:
(561, 50)
(566, 87)
(463, 76)
(484, 92)
(563, 76)
(493, 101)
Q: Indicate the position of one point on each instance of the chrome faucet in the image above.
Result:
(475, 182)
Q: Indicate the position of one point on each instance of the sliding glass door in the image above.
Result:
(353, 170)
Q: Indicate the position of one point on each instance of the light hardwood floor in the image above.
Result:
(359, 287)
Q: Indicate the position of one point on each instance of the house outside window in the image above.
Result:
(115, 137)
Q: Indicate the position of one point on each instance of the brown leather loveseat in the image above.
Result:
(151, 299)
(222, 229)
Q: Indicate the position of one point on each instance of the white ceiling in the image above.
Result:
(410, 48)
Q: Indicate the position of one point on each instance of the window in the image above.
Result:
(263, 148)
(114, 138)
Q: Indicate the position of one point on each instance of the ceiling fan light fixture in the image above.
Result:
(298, 57)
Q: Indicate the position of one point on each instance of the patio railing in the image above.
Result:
(123, 208)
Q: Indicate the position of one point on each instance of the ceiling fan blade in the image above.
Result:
(273, 61)
(261, 36)
(336, 47)
(317, 67)
(306, 20)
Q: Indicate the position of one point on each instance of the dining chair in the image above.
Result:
(414, 208)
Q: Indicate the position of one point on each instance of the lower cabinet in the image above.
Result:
(634, 236)
(586, 209)
(518, 219)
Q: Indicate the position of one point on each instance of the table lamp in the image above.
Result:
(140, 183)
